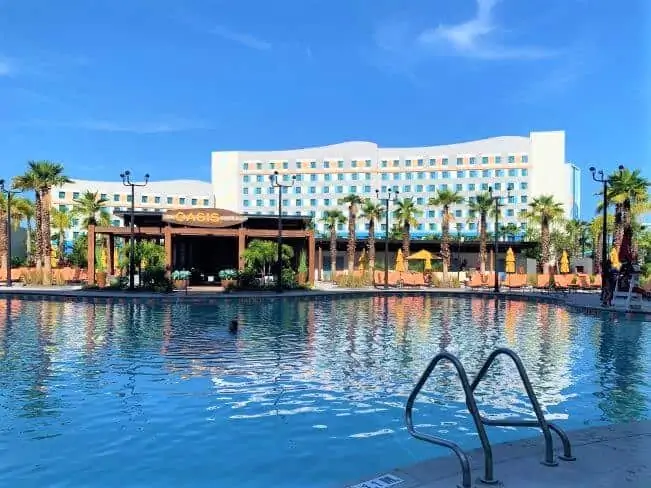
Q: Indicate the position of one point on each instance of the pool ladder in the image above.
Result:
(480, 421)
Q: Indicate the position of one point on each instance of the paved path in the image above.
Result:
(607, 457)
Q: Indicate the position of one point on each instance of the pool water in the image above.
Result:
(308, 393)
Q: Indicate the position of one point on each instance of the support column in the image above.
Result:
(311, 255)
(111, 254)
(91, 254)
(241, 247)
(167, 236)
(319, 264)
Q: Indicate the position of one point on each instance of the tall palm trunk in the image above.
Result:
(445, 242)
(406, 239)
(545, 243)
(482, 242)
(598, 255)
(351, 239)
(371, 245)
(28, 242)
(46, 236)
(619, 225)
(38, 210)
(3, 239)
(60, 244)
(333, 253)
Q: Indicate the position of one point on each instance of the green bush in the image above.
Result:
(354, 281)
(153, 278)
(227, 274)
(532, 280)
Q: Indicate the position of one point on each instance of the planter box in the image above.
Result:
(100, 276)
(180, 284)
(228, 283)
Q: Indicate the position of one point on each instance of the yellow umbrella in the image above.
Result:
(424, 255)
(363, 261)
(614, 258)
(400, 262)
(565, 263)
(510, 261)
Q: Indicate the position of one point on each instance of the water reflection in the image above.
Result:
(295, 370)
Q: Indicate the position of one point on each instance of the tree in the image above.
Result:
(91, 208)
(545, 210)
(406, 213)
(28, 182)
(482, 205)
(372, 212)
(628, 191)
(445, 199)
(25, 211)
(18, 207)
(260, 255)
(353, 202)
(61, 222)
(510, 230)
(576, 231)
(331, 219)
(79, 255)
(596, 231)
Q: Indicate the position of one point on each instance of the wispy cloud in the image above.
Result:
(242, 38)
(478, 38)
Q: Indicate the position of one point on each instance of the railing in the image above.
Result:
(480, 421)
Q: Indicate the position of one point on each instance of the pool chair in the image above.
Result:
(544, 282)
(561, 283)
(516, 281)
(477, 281)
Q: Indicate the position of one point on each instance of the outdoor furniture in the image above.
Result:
(543, 282)
(515, 281)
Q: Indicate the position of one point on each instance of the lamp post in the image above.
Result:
(126, 181)
(604, 228)
(497, 227)
(9, 193)
(458, 251)
(387, 202)
(279, 263)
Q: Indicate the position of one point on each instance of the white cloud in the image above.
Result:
(476, 38)
(246, 40)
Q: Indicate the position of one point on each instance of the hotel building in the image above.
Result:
(157, 196)
(530, 166)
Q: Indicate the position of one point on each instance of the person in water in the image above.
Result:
(232, 327)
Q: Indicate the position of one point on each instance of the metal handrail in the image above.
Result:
(474, 412)
(541, 422)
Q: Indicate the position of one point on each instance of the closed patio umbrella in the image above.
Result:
(400, 262)
(510, 261)
(565, 263)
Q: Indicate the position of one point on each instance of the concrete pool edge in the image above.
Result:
(611, 455)
(576, 302)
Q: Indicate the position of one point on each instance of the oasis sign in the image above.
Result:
(204, 217)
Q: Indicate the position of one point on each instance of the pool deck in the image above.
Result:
(606, 457)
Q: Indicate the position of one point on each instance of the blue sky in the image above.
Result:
(155, 85)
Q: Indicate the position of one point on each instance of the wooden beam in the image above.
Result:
(111, 254)
(241, 247)
(311, 256)
(91, 254)
(167, 236)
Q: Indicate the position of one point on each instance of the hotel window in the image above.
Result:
(245, 203)
(298, 165)
(407, 162)
(340, 164)
(395, 188)
(396, 176)
(156, 199)
(458, 213)
(75, 195)
(383, 164)
(299, 178)
(259, 203)
(143, 199)
(524, 172)
(169, 200)
(285, 202)
(312, 213)
(458, 187)
(446, 174)
(182, 201)
(472, 214)
(327, 177)
(509, 212)
(524, 185)
(443, 187)
(420, 175)
(406, 188)
(431, 188)
(62, 194)
(484, 187)
(419, 188)
(471, 200)
(511, 199)
(409, 176)
(313, 189)
(486, 173)
(115, 223)
(367, 189)
(473, 173)
(340, 227)
(523, 199)
(326, 202)
(352, 189)
(353, 163)
(206, 202)
(459, 161)
(258, 191)
(497, 186)
(472, 226)
(513, 172)
(367, 176)
(525, 158)
(384, 189)
(245, 178)
(385, 176)
(511, 159)
(432, 226)
(484, 160)
(499, 172)
(432, 175)
(258, 165)
(340, 177)
(339, 189)
(444, 161)
(285, 165)
(62, 208)
(272, 165)
(471, 187)
(419, 162)
(326, 164)
(128, 198)
(285, 177)
(326, 189)
(313, 164)
(432, 162)
(498, 159)
(284, 190)
(299, 202)
(245, 166)
(473, 160)
(260, 178)
(396, 163)
(272, 203)
(75, 235)
(431, 214)
(313, 177)
(461, 174)
(312, 202)
(420, 226)
(367, 163)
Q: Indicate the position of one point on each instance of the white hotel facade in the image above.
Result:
(531, 166)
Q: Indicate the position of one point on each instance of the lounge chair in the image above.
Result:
(516, 281)
(476, 281)
(543, 282)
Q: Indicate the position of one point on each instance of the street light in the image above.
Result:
(9, 193)
(277, 184)
(604, 228)
(387, 202)
(497, 227)
(126, 181)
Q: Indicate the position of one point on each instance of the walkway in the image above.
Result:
(607, 457)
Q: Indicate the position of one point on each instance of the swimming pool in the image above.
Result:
(309, 393)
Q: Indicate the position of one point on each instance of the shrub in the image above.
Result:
(247, 279)
(354, 281)
(302, 263)
(33, 277)
(153, 278)
(532, 280)
(180, 275)
(227, 274)
(57, 278)
(288, 278)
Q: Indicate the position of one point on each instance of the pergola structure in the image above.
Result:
(174, 225)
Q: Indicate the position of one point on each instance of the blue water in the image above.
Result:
(309, 393)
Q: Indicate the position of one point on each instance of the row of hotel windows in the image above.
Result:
(327, 202)
(367, 189)
(418, 175)
(433, 226)
(367, 163)
(144, 199)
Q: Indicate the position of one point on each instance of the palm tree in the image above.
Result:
(596, 231)
(544, 209)
(61, 222)
(353, 202)
(372, 212)
(28, 182)
(331, 219)
(628, 191)
(406, 213)
(482, 205)
(90, 207)
(25, 211)
(446, 198)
